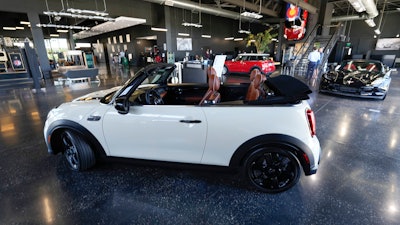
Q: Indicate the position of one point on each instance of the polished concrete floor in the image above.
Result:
(358, 181)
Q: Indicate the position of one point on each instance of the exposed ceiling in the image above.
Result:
(343, 7)
(272, 10)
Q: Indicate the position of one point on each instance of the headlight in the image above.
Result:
(377, 82)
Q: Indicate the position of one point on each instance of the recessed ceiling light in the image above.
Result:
(9, 28)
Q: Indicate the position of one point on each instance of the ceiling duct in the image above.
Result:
(348, 18)
(184, 4)
(365, 5)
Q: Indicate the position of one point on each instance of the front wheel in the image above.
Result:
(78, 154)
(272, 170)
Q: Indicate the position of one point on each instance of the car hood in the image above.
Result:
(97, 95)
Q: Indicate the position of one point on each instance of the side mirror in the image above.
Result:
(121, 104)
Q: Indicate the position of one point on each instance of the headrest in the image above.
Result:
(258, 79)
(253, 74)
(213, 79)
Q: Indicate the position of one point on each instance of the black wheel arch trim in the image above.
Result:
(296, 147)
(56, 127)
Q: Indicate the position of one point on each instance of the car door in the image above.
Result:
(236, 66)
(157, 132)
(249, 63)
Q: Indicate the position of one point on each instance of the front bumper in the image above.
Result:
(363, 92)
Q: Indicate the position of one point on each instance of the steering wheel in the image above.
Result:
(153, 98)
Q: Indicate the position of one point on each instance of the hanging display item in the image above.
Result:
(295, 22)
(16, 61)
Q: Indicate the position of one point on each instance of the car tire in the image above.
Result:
(78, 154)
(272, 169)
(225, 71)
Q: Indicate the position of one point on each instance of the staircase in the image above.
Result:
(299, 63)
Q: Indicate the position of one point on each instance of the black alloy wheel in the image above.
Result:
(272, 170)
(78, 154)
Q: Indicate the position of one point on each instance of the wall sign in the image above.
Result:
(388, 44)
(16, 61)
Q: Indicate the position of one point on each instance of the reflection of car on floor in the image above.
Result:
(265, 128)
(359, 78)
(247, 62)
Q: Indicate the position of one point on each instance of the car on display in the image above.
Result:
(264, 130)
(358, 78)
(247, 62)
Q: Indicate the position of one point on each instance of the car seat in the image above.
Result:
(371, 67)
(350, 67)
(212, 95)
(255, 89)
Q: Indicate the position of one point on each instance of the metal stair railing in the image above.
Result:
(300, 59)
(328, 48)
(291, 65)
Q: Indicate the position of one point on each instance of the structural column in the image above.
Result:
(38, 40)
(171, 43)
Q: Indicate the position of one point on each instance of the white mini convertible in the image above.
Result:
(265, 128)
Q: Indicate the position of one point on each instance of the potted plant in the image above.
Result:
(261, 40)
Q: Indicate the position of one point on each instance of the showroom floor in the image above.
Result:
(358, 181)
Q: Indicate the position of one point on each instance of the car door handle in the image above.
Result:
(93, 118)
(190, 121)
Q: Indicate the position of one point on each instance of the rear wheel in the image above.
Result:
(272, 170)
(78, 154)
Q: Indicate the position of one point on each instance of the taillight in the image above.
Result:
(311, 122)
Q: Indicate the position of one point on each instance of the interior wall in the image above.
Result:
(362, 36)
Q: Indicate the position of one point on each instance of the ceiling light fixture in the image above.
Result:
(63, 26)
(153, 37)
(85, 11)
(206, 36)
(62, 31)
(78, 16)
(119, 23)
(229, 38)
(9, 28)
(240, 27)
(186, 24)
(244, 32)
(252, 15)
(25, 23)
(238, 39)
(54, 35)
(159, 29)
(184, 34)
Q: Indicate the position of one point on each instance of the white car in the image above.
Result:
(269, 138)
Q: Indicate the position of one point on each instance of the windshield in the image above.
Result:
(156, 74)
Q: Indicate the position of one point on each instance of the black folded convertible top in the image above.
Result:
(286, 89)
